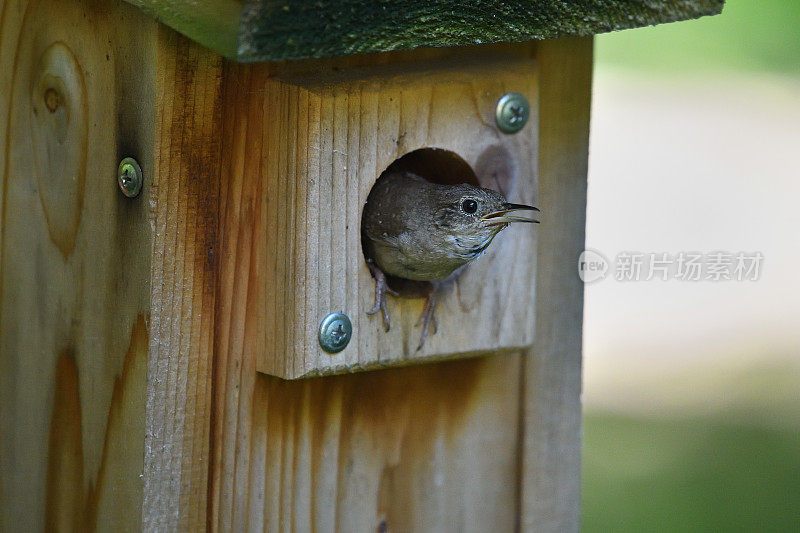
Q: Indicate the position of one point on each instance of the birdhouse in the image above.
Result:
(184, 333)
(324, 139)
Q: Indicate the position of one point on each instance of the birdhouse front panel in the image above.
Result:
(327, 138)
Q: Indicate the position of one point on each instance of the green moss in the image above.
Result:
(274, 30)
(269, 30)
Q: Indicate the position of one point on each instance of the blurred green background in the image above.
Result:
(692, 393)
(750, 35)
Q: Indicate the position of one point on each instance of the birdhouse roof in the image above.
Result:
(272, 30)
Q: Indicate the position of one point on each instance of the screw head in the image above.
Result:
(512, 112)
(129, 177)
(335, 332)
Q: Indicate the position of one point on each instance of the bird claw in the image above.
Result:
(381, 288)
(380, 305)
(428, 318)
(389, 289)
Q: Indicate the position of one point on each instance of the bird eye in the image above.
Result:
(469, 206)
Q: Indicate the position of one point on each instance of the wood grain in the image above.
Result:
(314, 145)
(185, 194)
(427, 448)
(551, 462)
(74, 265)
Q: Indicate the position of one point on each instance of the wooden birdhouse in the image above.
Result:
(182, 199)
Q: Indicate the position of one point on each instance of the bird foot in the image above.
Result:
(428, 317)
(381, 288)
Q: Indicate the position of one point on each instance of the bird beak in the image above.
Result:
(506, 215)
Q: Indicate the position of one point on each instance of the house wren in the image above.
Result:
(418, 230)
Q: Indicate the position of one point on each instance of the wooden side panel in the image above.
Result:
(552, 406)
(74, 263)
(324, 138)
(185, 207)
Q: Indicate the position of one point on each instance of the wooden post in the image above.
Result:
(75, 97)
(551, 459)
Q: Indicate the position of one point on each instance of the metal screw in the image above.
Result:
(512, 112)
(335, 332)
(129, 177)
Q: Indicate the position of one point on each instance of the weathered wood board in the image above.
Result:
(185, 204)
(551, 414)
(313, 146)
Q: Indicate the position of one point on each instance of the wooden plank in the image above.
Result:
(258, 30)
(323, 139)
(552, 370)
(185, 194)
(74, 264)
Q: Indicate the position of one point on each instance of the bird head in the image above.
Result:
(470, 217)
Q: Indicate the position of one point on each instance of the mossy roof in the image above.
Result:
(271, 30)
